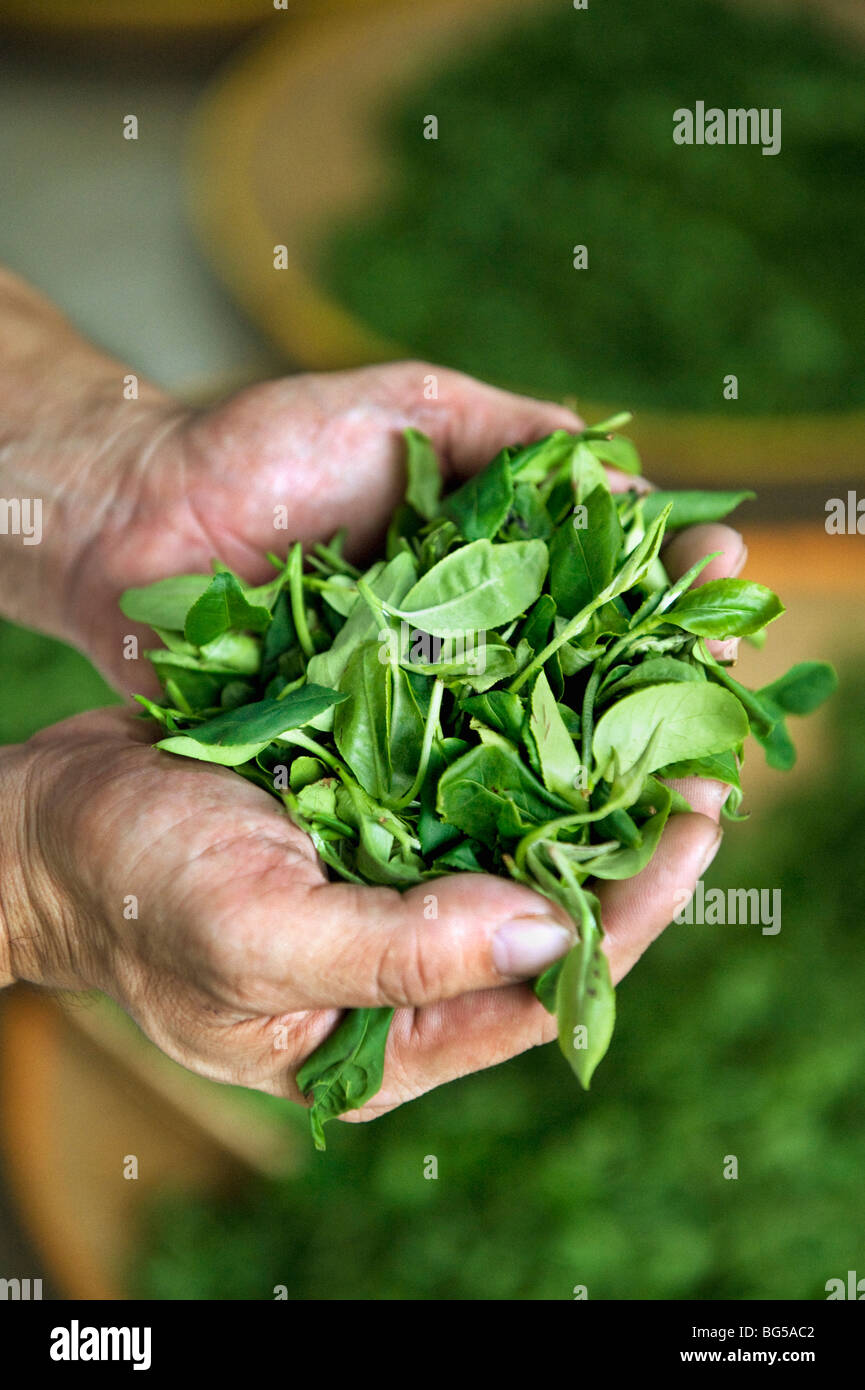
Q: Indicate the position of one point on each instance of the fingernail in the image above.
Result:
(728, 650)
(637, 484)
(711, 851)
(739, 563)
(528, 946)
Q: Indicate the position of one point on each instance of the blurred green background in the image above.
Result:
(702, 259)
(728, 1042)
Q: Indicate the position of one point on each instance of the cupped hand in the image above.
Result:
(186, 894)
(241, 954)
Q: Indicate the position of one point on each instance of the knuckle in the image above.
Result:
(405, 974)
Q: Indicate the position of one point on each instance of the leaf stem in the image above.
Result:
(374, 604)
(634, 566)
(430, 728)
(337, 562)
(572, 629)
(301, 740)
(298, 607)
(587, 722)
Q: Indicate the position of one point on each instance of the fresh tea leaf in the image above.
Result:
(221, 608)
(583, 556)
(165, 603)
(692, 720)
(424, 483)
(725, 608)
(477, 587)
(803, 688)
(347, 1069)
(480, 507)
(693, 508)
(240, 734)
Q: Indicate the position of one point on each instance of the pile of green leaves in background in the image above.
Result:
(537, 749)
(702, 260)
(541, 1188)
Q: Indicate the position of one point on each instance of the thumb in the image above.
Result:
(373, 947)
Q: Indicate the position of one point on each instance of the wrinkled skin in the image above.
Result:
(242, 954)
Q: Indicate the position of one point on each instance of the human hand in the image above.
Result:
(239, 954)
(138, 490)
(323, 451)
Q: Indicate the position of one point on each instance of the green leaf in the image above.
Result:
(479, 663)
(166, 603)
(528, 518)
(690, 721)
(659, 601)
(360, 723)
(546, 985)
(316, 799)
(602, 428)
(725, 608)
(432, 832)
(405, 525)
(763, 714)
(424, 483)
(347, 1069)
(535, 462)
(627, 860)
(280, 637)
(585, 999)
(462, 859)
(559, 760)
(405, 728)
(241, 734)
(477, 587)
(166, 717)
(693, 508)
(175, 642)
(640, 560)
(536, 628)
(480, 507)
(356, 806)
(778, 746)
(720, 767)
(439, 537)
(379, 729)
(633, 569)
(654, 670)
(221, 608)
(587, 473)
(490, 792)
(618, 452)
(582, 558)
(241, 656)
(305, 771)
(803, 688)
(237, 651)
(499, 710)
(339, 593)
(390, 582)
(236, 693)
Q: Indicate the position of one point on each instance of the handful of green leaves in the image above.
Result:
(505, 691)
